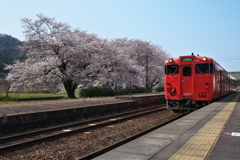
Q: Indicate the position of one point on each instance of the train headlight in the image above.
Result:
(204, 58)
(170, 60)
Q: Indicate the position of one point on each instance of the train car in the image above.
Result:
(191, 82)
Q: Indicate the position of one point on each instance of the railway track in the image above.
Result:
(126, 140)
(31, 138)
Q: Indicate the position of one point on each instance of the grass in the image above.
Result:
(31, 94)
(12, 95)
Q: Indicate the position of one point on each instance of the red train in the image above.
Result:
(191, 82)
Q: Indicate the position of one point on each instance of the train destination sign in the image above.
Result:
(187, 59)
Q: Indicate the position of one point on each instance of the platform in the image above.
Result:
(211, 132)
(26, 116)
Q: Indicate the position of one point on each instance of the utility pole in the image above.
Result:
(146, 85)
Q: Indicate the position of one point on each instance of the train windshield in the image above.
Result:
(171, 69)
(204, 68)
(187, 71)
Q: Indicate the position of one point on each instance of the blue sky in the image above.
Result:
(206, 27)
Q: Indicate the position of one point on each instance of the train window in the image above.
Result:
(225, 79)
(204, 68)
(187, 71)
(171, 69)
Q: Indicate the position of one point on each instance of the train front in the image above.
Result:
(188, 82)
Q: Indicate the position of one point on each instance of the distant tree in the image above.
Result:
(8, 50)
(151, 58)
(133, 62)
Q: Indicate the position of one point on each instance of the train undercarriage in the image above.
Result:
(185, 105)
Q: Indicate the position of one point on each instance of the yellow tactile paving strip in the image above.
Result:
(201, 144)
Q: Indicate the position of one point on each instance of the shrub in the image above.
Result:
(133, 90)
(159, 89)
(96, 92)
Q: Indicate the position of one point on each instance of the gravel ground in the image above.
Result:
(81, 144)
(26, 107)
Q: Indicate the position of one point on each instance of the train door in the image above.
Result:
(221, 83)
(187, 82)
(217, 83)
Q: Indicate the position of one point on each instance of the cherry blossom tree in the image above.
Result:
(155, 66)
(55, 53)
(67, 58)
(114, 62)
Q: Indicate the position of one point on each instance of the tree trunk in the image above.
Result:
(70, 87)
(7, 88)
